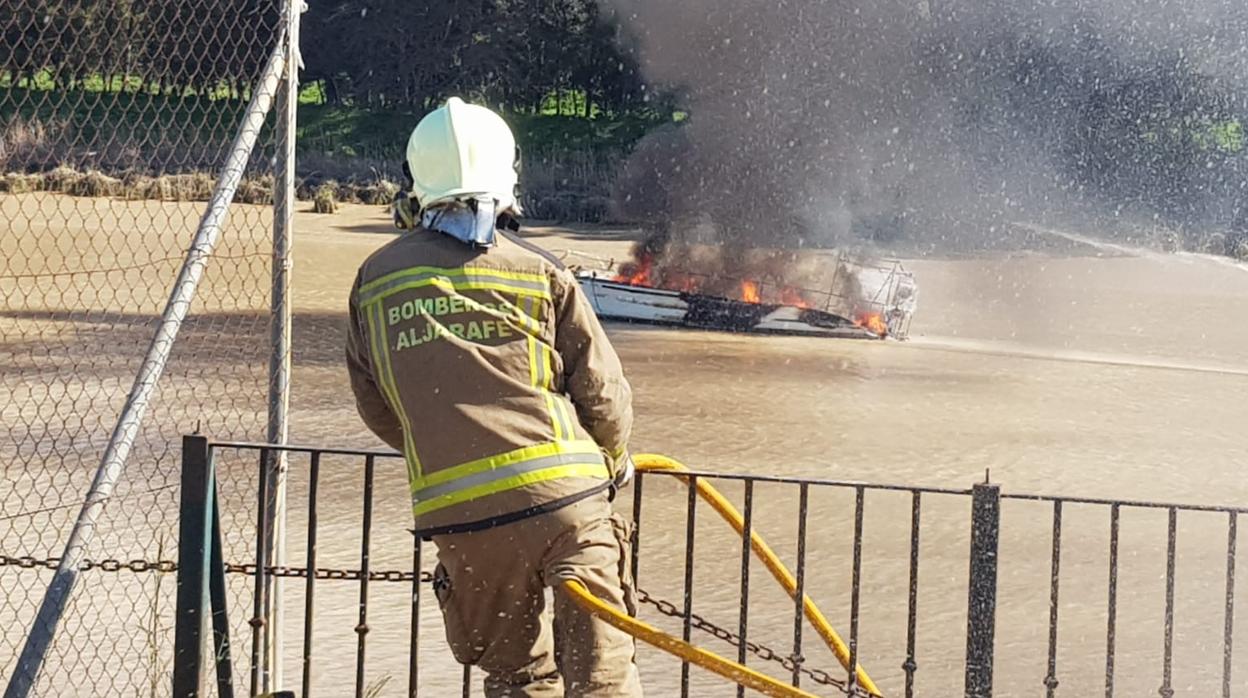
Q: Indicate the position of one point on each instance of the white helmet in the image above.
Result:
(460, 151)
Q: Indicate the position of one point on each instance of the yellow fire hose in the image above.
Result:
(647, 633)
(729, 669)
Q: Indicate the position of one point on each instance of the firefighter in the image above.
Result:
(479, 358)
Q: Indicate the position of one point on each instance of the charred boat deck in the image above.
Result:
(616, 300)
(881, 307)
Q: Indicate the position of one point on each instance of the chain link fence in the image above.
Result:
(115, 118)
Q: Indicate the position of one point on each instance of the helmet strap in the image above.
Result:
(507, 221)
(471, 221)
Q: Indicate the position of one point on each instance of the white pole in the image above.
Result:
(280, 325)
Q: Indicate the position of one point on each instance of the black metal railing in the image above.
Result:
(1115, 508)
(203, 565)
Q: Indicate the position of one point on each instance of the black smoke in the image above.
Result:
(817, 123)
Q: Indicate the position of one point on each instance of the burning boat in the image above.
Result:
(864, 300)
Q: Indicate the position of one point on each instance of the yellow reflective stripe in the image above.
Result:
(566, 416)
(381, 360)
(541, 371)
(456, 271)
(448, 285)
(467, 278)
(531, 326)
(502, 460)
(543, 374)
(546, 367)
(555, 402)
(526, 311)
(409, 436)
(593, 470)
(505, 472)
(554, 415)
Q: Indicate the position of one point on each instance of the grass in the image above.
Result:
(121, 128)
(185, 127)
(375, 688)
(382, 133)
(565, 121)
(122, 141)
(45, 81)
(196, 186)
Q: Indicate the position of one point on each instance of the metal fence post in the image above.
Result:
(194, 557)
(981, 612)
(287, 104)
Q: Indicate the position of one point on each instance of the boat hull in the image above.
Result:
(612, 300)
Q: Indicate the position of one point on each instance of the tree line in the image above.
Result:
(1160, 137)
(155, 46)
(515, 54)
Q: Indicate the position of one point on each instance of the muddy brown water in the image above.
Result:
(1093, 373)
(1087, 372)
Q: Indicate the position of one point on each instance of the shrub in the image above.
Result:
(323, 201)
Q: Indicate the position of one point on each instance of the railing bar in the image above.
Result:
(1050, 680)
(296, 448)
(1132, 503)
(380, 453)
(1167, 691)
(258, 600)
(747, 534)
(636, 541)
(912, 612)
(196, 548)
(467, 692)
(1112, 612)
(309, 596)
(981, 618)
(687, 631)
(1229, 631)
(799, 598)
(361, 628)
(221, 648)
(413, 683)
(855, 590)
(814, 482)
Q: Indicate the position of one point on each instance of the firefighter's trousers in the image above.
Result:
(491, 586)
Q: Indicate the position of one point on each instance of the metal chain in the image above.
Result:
(324, 573)
(667, 608)
(763, 652)
(112, 565)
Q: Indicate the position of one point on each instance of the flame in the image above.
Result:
(637, 273)
(642, 272)
(793, 297)
(872, 321)
(749, 292)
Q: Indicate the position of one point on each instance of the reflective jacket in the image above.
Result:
(488, 369)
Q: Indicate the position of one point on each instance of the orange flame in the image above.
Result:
(636, 273)
(749, 292)
(793, 297)
(642, 272)
(873, 322)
